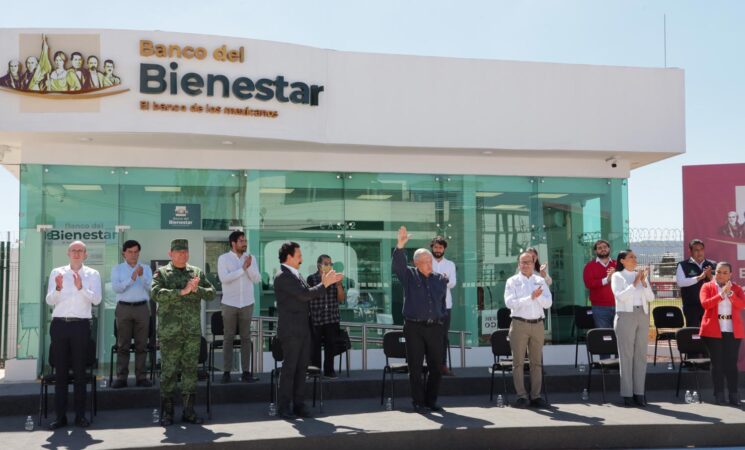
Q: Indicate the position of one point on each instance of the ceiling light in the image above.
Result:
(85, 139)
(544, 195)
(162, 188)
(82, 187)
(227, 142)
(510, 207)
(487, 152)
(487, 194)
(268, 190)
(374, 196)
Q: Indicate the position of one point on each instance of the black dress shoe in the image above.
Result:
(628, 402)
(434, 407)
(539, 403)
(521, 403)
(734, 400)
(640, 400)
(248, 377)
(82, 422)
(118, 384)
(420, 409)
(226, 377)
(286, 415)
(144, 383)
(719, 398)
(59, 423)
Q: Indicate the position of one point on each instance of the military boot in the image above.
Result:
(189, 415)
(166, 408)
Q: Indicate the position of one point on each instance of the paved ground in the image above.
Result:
(470, 421)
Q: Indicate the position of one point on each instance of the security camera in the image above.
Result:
(613, 161)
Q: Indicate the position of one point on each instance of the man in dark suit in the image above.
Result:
(294, 330)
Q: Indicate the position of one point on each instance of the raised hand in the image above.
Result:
(403, 237)
(77, 280)
(331, 277)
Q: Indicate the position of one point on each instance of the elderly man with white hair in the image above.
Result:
(424, 315)
(73, 290)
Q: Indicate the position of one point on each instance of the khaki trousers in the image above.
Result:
(237, 319)
(527, 336)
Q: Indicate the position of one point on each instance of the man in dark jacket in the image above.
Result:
(293, 328)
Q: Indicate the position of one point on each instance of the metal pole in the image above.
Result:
(462, 348)
(4, 285)
(364, 346)
(260, 346)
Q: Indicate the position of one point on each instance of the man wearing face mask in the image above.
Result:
(324, 314)
(424, 321)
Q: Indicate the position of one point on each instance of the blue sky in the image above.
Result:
(706, 38)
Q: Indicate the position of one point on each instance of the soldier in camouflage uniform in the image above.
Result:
(179, 288)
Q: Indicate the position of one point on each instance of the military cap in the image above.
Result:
(179, 244)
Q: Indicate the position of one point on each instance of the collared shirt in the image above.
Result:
(293, 270)
(518, 296)
(447, 268)
(424, 297)
(628, 294)
(324, 309)
(725, 309)
(604, 264)
(237, 284)
(127, 290)
(683, 280)
(71, 301)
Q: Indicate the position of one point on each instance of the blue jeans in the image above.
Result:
(603, 316)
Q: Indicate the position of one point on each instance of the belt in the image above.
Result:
(528, 320)
(69, 319)
(133, 303)
(725, 316)
(427, 322)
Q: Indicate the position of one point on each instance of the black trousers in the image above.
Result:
(326, 336)
(723, 353)
(296, 351)
(424, 341)
(446, 338)
(70, 342)
(693, 313)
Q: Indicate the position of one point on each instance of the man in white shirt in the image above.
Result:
(131, 282)
(527, 295)
(444, 267)
(691, 276)
(238, 272)
(73, 289)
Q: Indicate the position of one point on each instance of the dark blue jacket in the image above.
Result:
(424, 297)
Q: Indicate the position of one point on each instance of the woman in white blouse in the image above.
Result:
(633, 294)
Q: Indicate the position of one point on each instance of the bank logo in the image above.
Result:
(53, 73)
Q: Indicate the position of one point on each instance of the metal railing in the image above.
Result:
(259, 334)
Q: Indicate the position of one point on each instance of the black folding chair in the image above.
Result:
(602, 341)
(151, 349)
(275, 345)
(669, 318)
(49, 379)
(502, 353)
(583, 321)
(341, 348)
(394, 347)
(690, 343)
(218, 329)
(503, 318)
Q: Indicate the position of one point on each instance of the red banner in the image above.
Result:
(714, 211)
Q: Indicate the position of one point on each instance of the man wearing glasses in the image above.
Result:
(324, 314)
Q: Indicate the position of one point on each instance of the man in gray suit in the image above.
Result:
(293, 329)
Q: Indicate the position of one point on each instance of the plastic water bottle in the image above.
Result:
(695, 398)
(670, 366)
(156, 416)
(500, 401)
(29, 424)
(104, 383)
(389, 404)
(585, 395)
(581, 368)
(688, 397)
(272, 409)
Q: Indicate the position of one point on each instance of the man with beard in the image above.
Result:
(109, 79)
(597, 275)
(96, 76)
(30, 79)
(445, 267)
(12, 79)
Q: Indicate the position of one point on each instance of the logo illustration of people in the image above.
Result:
(40, 74)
